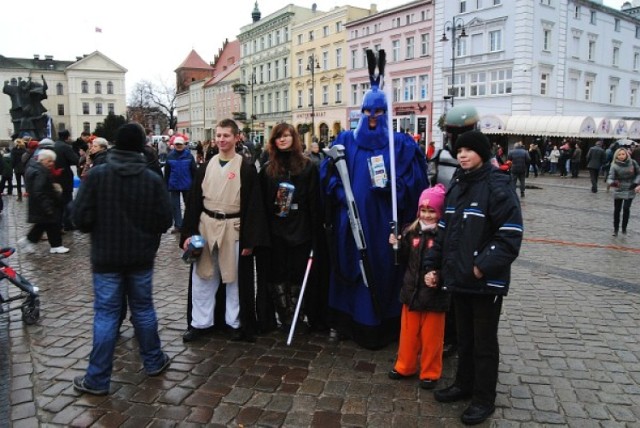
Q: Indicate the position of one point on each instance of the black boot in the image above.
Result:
(280, 296)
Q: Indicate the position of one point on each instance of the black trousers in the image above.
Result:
(593, 174)
(53, 233)
(623, 205)
(477, 318)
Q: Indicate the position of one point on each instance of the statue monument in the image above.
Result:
(27, 112)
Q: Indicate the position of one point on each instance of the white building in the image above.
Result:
(555, 58)
(80, 93)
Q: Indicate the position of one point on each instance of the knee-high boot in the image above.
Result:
(281, 296)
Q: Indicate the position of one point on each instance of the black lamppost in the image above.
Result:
(252, 82)
(311, 67)
(453, 25)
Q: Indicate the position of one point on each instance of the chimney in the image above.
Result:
(36, 57)
(373, 8)
(48, 57)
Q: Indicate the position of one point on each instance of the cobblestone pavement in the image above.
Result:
(569, 343)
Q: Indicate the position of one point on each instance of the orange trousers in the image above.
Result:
(421, 334)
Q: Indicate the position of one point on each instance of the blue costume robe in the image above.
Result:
(350, 304)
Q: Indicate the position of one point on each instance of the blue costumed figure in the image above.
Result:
(366, 153)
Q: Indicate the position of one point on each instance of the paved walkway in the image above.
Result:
(569, 342)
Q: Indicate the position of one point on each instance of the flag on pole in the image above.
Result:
(98, 30)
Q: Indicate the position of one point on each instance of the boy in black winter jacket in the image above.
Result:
(480, 236)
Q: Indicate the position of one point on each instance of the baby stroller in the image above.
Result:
(31, 306)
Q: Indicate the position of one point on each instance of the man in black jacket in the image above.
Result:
(126, 208)
(66, 158)
(479, 237)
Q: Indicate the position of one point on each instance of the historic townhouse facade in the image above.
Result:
(542, 61)
(406, 34)
(265, 68)
(318, 78)
(80, 93)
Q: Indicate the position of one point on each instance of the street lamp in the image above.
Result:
(311, 67)
(453, 25)
(252, 82)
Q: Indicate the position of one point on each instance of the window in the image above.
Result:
(592, 50)
(85, 108)
(277, 37)
(269, 72)
(98, 87)
(285, 100)
(262, 110)
(299, 39)
(354, 59)
(545, 2)
(424, 45)
(636, 61)
(300, 98)
(575, 51)
(59, 89)
(501, 82)
(461, 47)
(497, 2)
(478, 84)
(276, 68)
(338, 26)
(286, 34)
(613, 89)
(546, 40)
(463, 6)
(409, 93)
(278, 102)
(495, 40)
(60, 109)
(408, 19)
(99, 108)
(84, 87)
(86, 127)
(354, 95)
(325, 60)
(338, 57)
(310, 97)
(459, 86)
(325, 30)
(633, 96)
(424, 86)
(395, 22)
(262, 43)
(395, 48)
(637, 31)
(269, 40)
(616, 24)
(311, 35)
(615, 57)
(299, 66)
(576, 12)
(396, 89)
(544, 83)
(110, 88)
(410, 48)
(588, 89)
(325, 95)
(592, 17)
(338, 93)
(111, 108)
(269, 103)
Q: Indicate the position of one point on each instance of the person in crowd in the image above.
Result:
(18, 167)
(520, 161)
(125, 207)
(535, 158)
(206, 150)
(179, 172)
(563, 160)
(45, 204)
(624, 177)
(163, 150)
(151, 156)
(479, 237)
(66, 158)
(315, 155)
(370, 315)
(554, 158)
(225, 208)
(6, 178)
(431, 150)
(596, 158)
(81, 144)
(290, 193)
(576, 160)
(635, 153)
(96, 155)
(423, 308)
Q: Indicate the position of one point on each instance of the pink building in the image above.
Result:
(406, 34)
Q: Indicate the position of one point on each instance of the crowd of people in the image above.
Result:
(429, 270)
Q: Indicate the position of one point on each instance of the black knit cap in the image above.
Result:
(476, 141)
(130, 137)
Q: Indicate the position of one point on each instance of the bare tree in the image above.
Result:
(149, 100)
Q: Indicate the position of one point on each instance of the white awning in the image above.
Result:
(552, 126)
(603, 127)
(493, 124)
(633, 129)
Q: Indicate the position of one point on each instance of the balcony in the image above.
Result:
(239, 88)
(239, 115)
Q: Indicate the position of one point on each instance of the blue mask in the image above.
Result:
(373, 100)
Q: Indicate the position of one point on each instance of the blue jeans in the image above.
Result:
(176, 208)
(108, 290)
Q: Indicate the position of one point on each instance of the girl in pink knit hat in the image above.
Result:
(423, 307)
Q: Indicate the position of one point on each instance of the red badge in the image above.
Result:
(415, 243)
(430, 243)
(231, 175)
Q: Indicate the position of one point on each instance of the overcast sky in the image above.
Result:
(148, 38)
